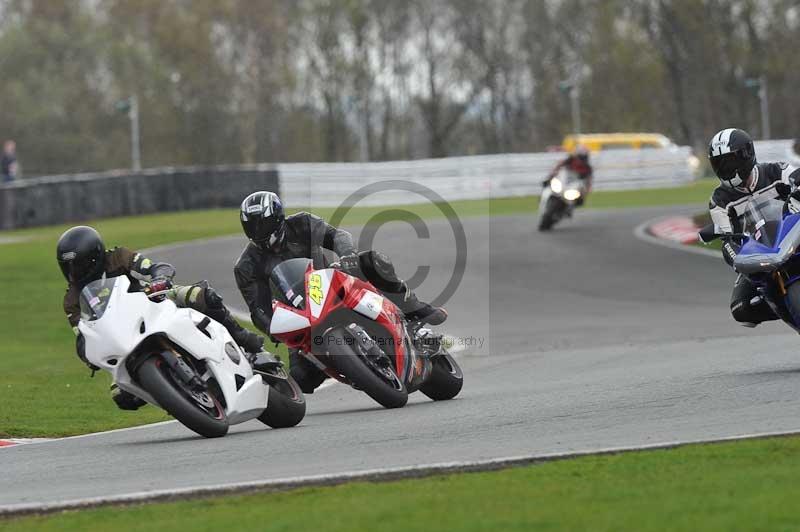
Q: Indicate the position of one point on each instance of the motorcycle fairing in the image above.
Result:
(328, 291)
(755, 257)
(131, 318)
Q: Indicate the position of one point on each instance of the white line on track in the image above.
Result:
(382, 474)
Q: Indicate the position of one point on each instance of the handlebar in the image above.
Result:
(158, 294)
(707, 234)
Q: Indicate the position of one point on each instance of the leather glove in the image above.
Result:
(350, 264)
(783, 190)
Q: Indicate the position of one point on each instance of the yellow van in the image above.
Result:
(595, 142)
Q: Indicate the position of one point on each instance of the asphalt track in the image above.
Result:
(591, 339)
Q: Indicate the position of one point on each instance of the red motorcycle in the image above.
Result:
(356, 336)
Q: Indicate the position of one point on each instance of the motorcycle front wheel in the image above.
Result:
(200, 412)
(383, 386)
(548, 217)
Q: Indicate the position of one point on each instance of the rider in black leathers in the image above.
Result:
(733, 158)
(275, 238)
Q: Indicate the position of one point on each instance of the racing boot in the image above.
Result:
(125, 400)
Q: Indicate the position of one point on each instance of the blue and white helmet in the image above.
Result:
(732, 156)
(263, 219)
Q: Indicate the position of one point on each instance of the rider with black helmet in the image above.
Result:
(733, 158)
(274, 238)
(83, 258)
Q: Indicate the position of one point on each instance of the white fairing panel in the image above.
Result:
(370, 305)
(130, 318)
(319, 281)
(285, 321)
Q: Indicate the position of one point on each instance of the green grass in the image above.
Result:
(750, 485)
(46, 391)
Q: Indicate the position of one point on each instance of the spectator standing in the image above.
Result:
(8, 164)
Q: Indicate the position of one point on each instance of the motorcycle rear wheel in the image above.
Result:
(446, 379)
(153, 376)
(286, 406)
(359, 372)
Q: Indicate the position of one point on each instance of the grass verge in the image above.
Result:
(46, 391)
(748, 485)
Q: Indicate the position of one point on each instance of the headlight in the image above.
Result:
(556, 185)
(572, 194)
(233, 353)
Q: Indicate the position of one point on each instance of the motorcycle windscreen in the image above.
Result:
(762, 219)
(288, 282)
(94, 298)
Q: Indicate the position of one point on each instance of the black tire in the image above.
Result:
(548, 217)
(792, 300)
(153, 377)
(286, 406)
(349, 364)
(446, 379)
(545, 222)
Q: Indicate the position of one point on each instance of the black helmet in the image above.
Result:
(81, 255)
(263, 219)
(732, 157)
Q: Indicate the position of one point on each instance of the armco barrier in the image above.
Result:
(71, 198)
(473, 177)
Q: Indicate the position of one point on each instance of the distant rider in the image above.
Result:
(274, 238)
(577, 162)
(83, 258)
(733, 158)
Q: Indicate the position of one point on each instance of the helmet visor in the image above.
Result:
(264, 230)
(79, 269)
(727, 166)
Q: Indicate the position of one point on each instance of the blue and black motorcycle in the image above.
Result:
(769, 235)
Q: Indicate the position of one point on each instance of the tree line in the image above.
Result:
(242, 81)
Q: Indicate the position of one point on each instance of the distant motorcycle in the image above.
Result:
(770, 249)
(356, 336)
(182, 361)
(559, 197)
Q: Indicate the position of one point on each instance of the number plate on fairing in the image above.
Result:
(318, 284)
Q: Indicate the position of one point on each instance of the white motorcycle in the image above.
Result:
(559, 197)
(182, 361)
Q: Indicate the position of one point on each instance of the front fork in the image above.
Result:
(774, 294)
